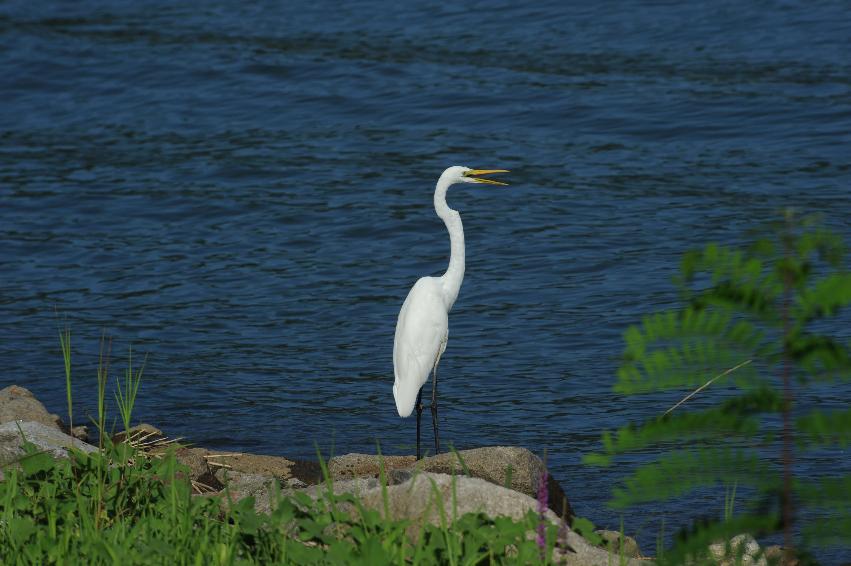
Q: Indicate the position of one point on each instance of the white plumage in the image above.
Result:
(421, 335)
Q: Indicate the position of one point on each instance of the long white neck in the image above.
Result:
(454, 275)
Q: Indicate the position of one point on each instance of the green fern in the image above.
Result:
(751, 321)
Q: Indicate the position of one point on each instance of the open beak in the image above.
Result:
(475, 174)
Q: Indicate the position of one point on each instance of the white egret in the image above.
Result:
(423, 326)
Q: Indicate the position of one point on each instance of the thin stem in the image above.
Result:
(787, 403)
(705, 385)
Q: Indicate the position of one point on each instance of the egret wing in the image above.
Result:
(421, 333)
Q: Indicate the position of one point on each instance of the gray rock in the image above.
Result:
(356, 486)
(44, 437)
(19, 404)
(285, 470)
(239, 485)
(499, 465)
(365, 465)
(418, 499)
(195, 460)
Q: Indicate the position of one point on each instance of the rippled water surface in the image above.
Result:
(244, 193)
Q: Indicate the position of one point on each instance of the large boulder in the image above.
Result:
(507, 466)
(419, 498)
(44, 437)
(19, 404)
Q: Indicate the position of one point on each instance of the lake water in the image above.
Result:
(244, 193)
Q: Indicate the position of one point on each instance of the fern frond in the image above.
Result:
(739, 280)
(685, 367)
(757, 300)
(826, 428)
(821, 357)
(730, 420)
(722, 263)
(824, 298)
(689, 324)
(683, 471)
(682, 349)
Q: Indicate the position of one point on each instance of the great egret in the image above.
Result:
(423, 326)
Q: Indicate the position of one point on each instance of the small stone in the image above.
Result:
(743, 549)
(193, 458)
(613, 541)
(81, 433)
(776, 554)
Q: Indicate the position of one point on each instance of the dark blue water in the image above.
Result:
(244, 193)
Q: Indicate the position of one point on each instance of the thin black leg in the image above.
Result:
(419, 413)
(434, 412)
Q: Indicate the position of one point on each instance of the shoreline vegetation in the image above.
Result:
(142, 498)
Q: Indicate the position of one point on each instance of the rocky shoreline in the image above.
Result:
(497, 480)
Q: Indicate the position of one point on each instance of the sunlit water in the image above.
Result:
(244, 193)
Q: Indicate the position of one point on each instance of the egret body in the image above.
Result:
(423, 326)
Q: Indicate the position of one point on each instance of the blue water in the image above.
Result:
(244, 194)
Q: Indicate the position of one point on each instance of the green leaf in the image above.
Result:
(821, 357)
(826, 427)
(827, 492)
(585, 528)
(825, 297)
(20, 530)
(35, 463)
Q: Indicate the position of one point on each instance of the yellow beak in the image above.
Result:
(475, 173)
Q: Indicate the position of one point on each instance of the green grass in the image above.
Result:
(119, 506)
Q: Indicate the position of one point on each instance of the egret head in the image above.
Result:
(458, 174)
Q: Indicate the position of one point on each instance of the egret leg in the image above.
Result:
(434, 412)
(419, 413)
